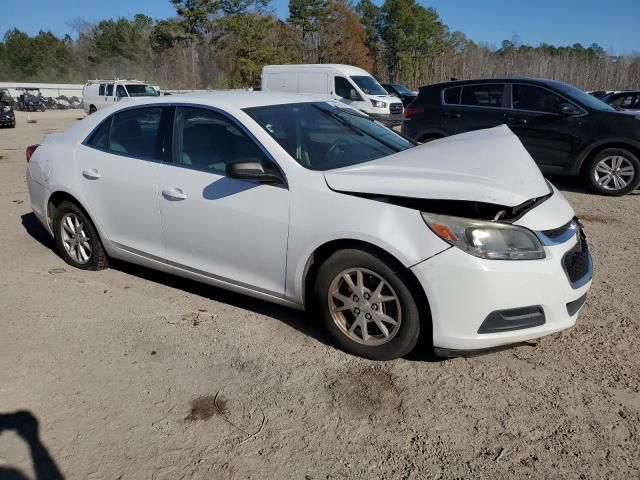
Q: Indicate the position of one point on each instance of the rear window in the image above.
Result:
(451, 95)
(484, 95)
(100, 137)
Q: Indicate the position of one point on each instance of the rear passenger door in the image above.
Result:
(551, 137)
(117, 169)
(473, 107)
(230, 230)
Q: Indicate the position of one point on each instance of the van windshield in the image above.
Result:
(323, 135)
(369, 85)
(139, 90)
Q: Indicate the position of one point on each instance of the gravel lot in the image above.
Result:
(136, 374)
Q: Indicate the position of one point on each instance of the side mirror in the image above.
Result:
(353, 95)
(251, 169)
(569, 109)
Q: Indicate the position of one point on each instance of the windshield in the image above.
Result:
(139, 90)
(369, 85)
(323, 136)
(583, 97)
(402, 90)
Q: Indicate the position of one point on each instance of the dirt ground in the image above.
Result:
(136, 374)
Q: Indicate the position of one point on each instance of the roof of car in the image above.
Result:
(534, 80)
(234, 99)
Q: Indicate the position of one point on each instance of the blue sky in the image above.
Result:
(613, 24)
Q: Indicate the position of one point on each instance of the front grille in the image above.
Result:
(395, 108)
(556, 232)
(577, 261)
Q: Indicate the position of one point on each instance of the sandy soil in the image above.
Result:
(135, 374)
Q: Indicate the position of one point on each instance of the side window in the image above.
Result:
(100, 136)
(451, 95)
(137, 132)
(120, 91)
(101, 89)
(208, 141)
(530, 97)
(109, 90)
(343, 87)
(485, 95)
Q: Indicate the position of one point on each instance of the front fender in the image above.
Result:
(399, 231)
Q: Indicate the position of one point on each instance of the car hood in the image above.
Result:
(488, 166)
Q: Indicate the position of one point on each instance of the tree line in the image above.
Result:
(225, 44)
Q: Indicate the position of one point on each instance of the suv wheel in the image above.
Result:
(366, 306)
(92, 109)
(614, 172)
(77, 238)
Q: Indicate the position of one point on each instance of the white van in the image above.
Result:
(351, 85)
(98, 94)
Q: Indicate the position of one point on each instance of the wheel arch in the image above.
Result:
(433, 133)
(594, 149)
(54, 201)
(324, 251)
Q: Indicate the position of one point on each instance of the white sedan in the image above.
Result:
(460, 243)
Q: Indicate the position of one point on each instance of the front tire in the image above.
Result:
(77, 238)
(92, 109)
(366, 305)
(614, 172)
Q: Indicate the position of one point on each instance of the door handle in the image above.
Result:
(174, 194)
(451, 115)
(91, 174)
(516, 121)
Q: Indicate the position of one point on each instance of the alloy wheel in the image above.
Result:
(614, 172)
(364, 306)
(75, 240)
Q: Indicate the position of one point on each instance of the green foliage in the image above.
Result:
(195, 14)
(307, 14)
(225, 43)
(412, 33)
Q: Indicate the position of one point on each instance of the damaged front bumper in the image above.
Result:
(478, 304)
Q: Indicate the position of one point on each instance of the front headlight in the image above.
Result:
(490, 240)
(378, 104)
(6, 108)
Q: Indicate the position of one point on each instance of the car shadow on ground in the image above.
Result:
(306, 322)
(25, 425)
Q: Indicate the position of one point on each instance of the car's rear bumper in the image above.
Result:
(517, 300)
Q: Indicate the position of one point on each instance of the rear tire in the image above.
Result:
(77, 238)
(379, 322)
(613, 172)
(92, 109)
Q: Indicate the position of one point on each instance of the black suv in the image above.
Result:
(565, 130)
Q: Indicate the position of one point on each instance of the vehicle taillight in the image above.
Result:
(411, 110)
(30, 150)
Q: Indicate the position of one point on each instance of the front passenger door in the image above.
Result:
(234, 231)
(551, 137)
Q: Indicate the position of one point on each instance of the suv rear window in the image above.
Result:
(484, 95)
